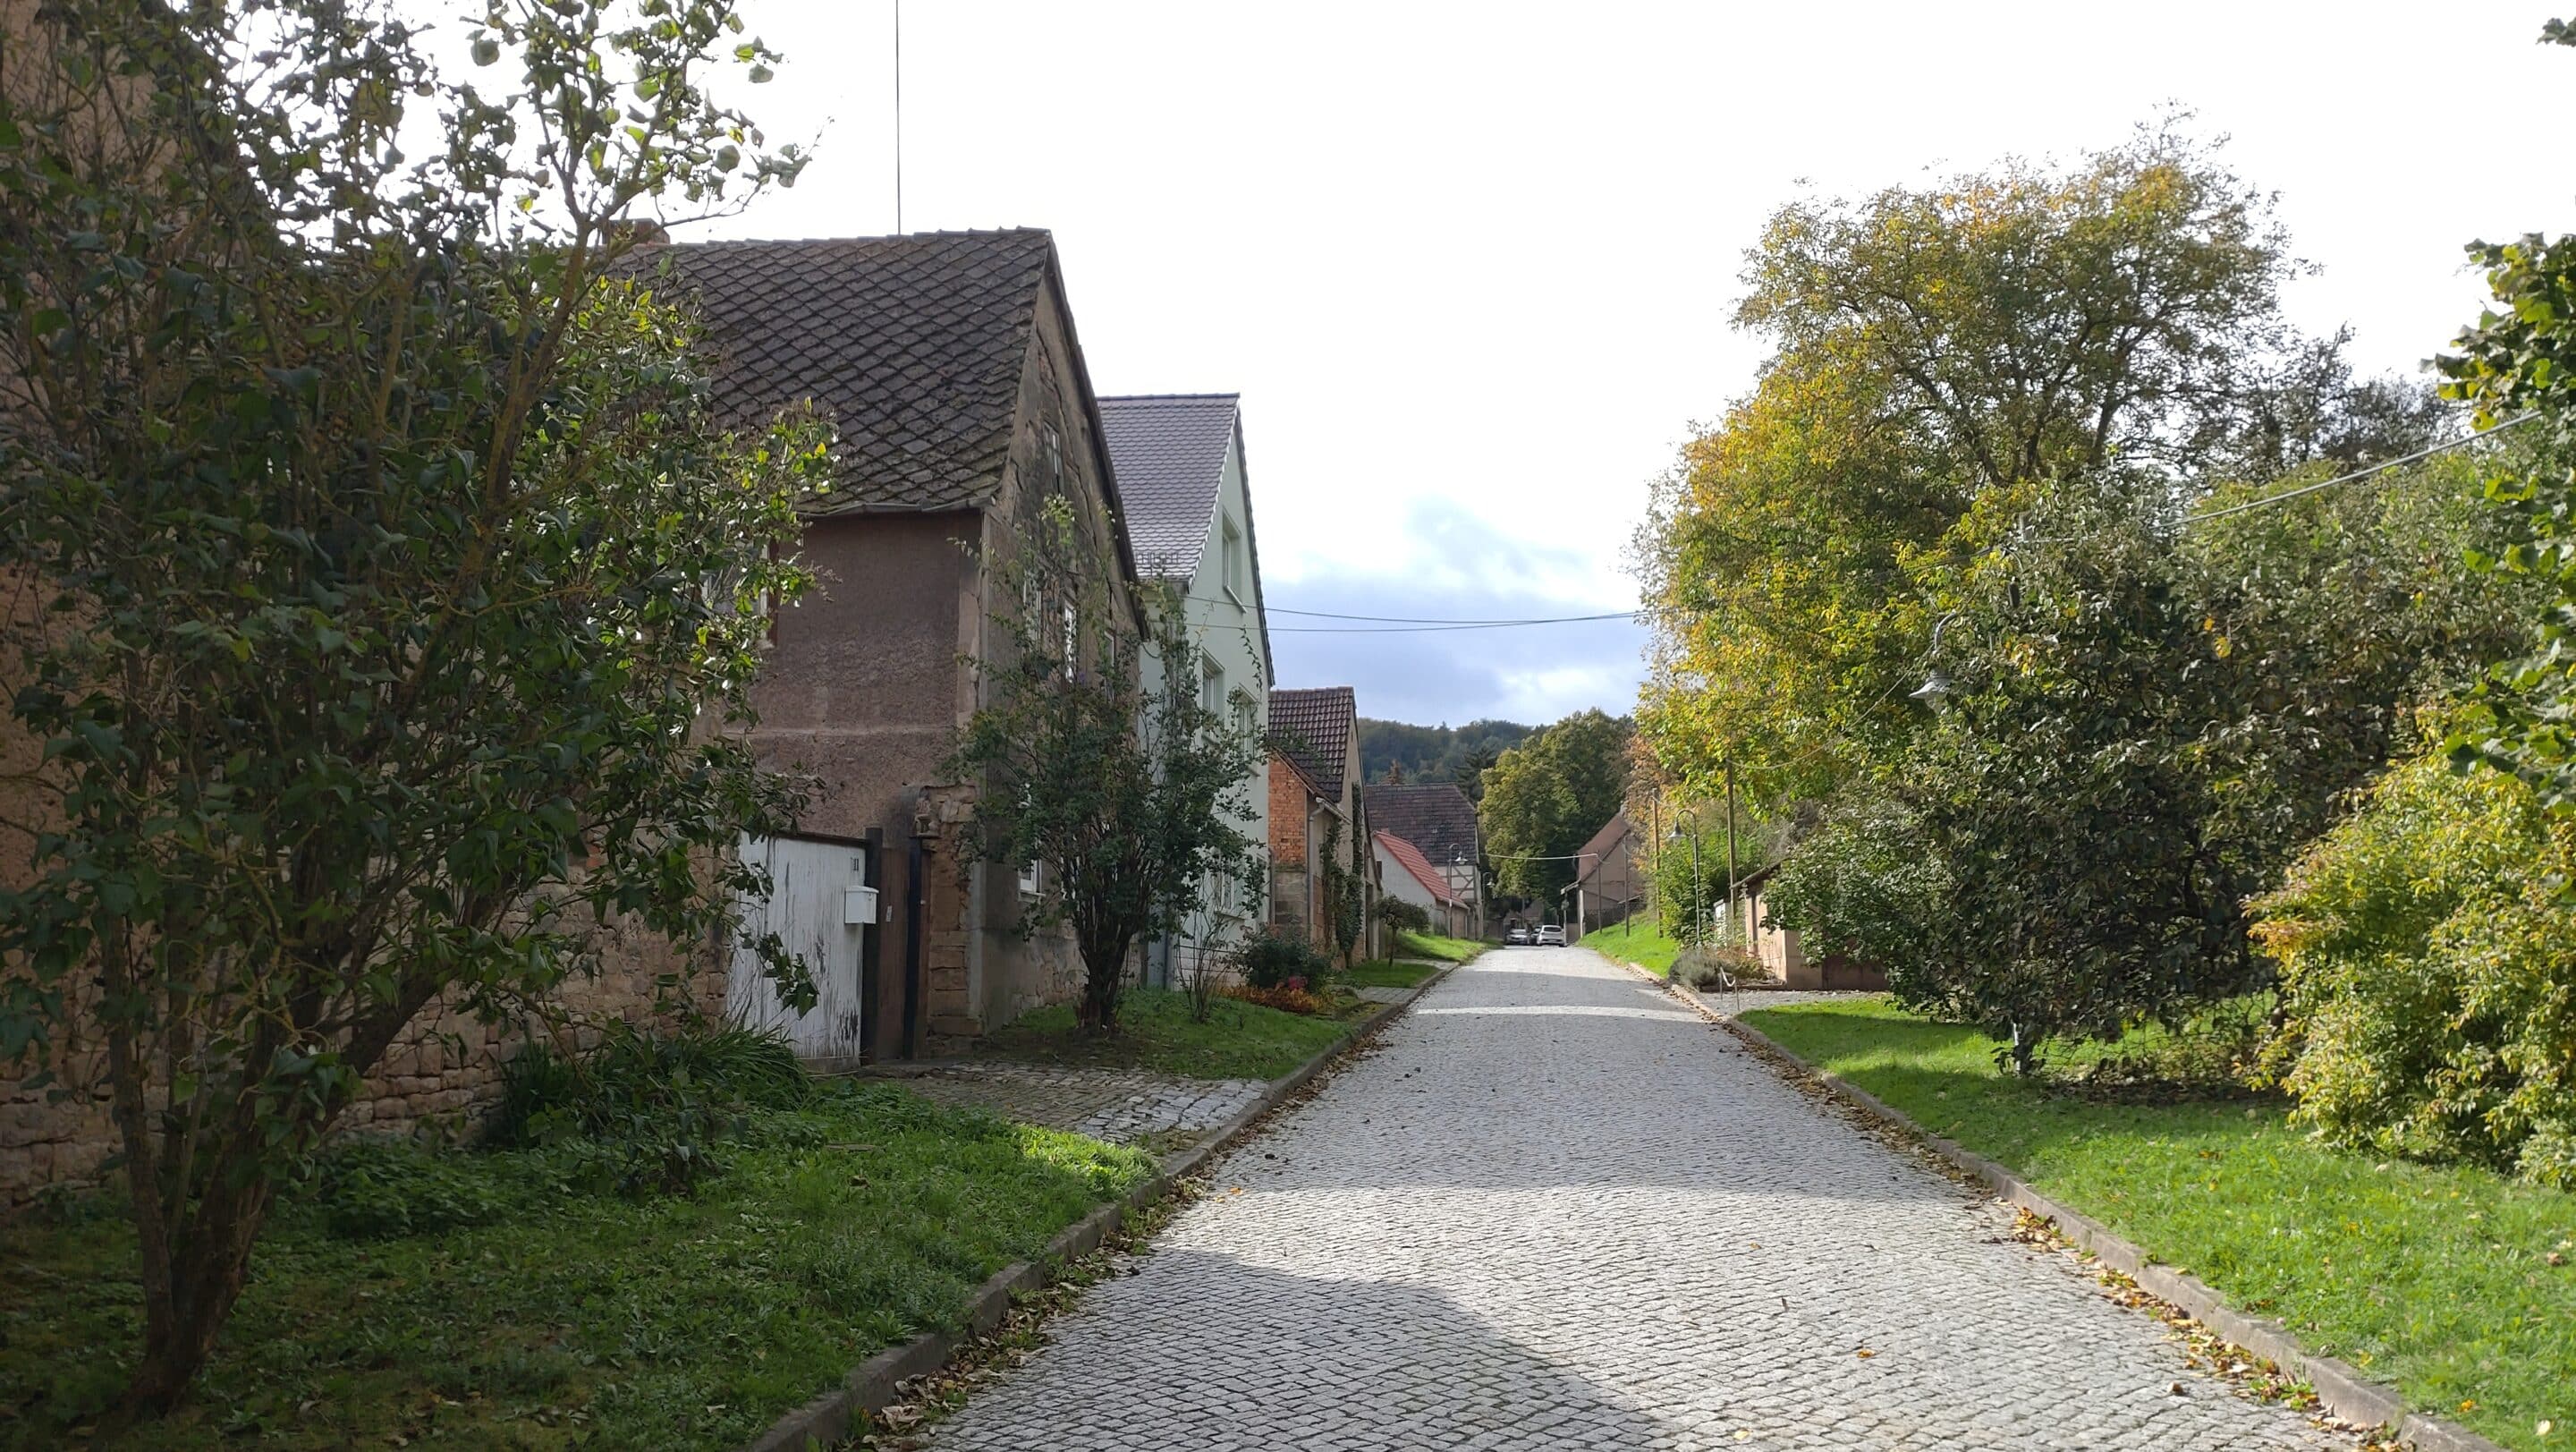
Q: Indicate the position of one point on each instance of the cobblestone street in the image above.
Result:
(1556, 1210)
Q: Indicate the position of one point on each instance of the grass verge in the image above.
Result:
(2435, 1280)
(1432, 945)
(1155, 1031)
(1635, 941)
(1386, 973)
(572, 1319)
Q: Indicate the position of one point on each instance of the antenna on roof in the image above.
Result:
(898, 117)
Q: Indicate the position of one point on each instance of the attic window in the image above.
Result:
(1050, 456)
(1230, 541)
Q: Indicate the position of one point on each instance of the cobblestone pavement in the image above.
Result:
(1557, 1210)
(1121, 1105)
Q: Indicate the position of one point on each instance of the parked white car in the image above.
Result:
(1551, 935)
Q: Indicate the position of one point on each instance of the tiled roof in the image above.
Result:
(1589, 858)
(914, 346)
(1169, 453)
(1314, 727)
(1434, 816)
(1410, 858)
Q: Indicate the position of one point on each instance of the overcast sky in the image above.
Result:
(1470, 266)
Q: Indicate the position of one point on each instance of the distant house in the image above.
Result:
(1783, 957)
(1315, 801)
(1415, 879)
(949, 365)
(1610, 883)
(1181, 476)
(1440, 822)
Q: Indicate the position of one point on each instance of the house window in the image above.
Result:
(1211, 689)
(1029, 880)
(1232, 563)
(1050, 455)
(1244, 725)
(1068, 638)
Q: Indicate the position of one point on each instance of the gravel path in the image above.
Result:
(1556, 1210)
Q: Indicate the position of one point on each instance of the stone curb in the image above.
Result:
(2342, 1390)
(871, 1386)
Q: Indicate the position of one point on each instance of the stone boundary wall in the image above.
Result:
(436, 1076)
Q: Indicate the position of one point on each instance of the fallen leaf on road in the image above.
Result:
(1864, 1353)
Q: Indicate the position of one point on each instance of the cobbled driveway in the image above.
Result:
(1556, 1210)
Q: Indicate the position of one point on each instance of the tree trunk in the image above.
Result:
(205, 1252)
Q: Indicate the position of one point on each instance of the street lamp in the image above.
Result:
(1935, 684)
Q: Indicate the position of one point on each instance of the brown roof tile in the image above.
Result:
(1434, 816)
(913, 345)
(1314, 727)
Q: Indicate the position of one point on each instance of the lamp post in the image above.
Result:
(1935, 684)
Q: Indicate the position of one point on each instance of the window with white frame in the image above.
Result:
(1244, 725)
(1231, 561)
(1030, 880)
(1211, 688)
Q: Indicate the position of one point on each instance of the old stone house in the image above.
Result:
(1437, 819)
(1181, 475)
(949, 366)
(1316, 808)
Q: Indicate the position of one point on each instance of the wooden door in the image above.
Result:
(810, 908)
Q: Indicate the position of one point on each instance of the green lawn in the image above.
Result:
(1635, 941)
(574, 1320)
(1386, 973)
(2434, 1280)
(1432, 945)
(1155, 1031)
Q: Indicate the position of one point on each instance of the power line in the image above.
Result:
(2379, 468)
(1411, 625)
(1438, 629)
(1450, 620)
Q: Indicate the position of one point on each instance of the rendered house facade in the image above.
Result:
(1188, 499)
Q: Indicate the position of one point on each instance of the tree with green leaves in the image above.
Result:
(1938, 354)
(2148, 715)
(1128, 795)
(395, 595)
(1546, 796)
(2522, 358)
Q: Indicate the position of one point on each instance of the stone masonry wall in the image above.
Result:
(435, 1076)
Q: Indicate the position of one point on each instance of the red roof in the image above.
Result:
(1410, 858)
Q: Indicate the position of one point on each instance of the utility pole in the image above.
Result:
(1655, 863)
(1730, 851)
(1699, 929)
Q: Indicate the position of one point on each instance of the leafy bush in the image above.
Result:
(1269, 960)
(2428, 989)
(1702, 967)
(641, 1113)
(377, 1189)
(1398, 913)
